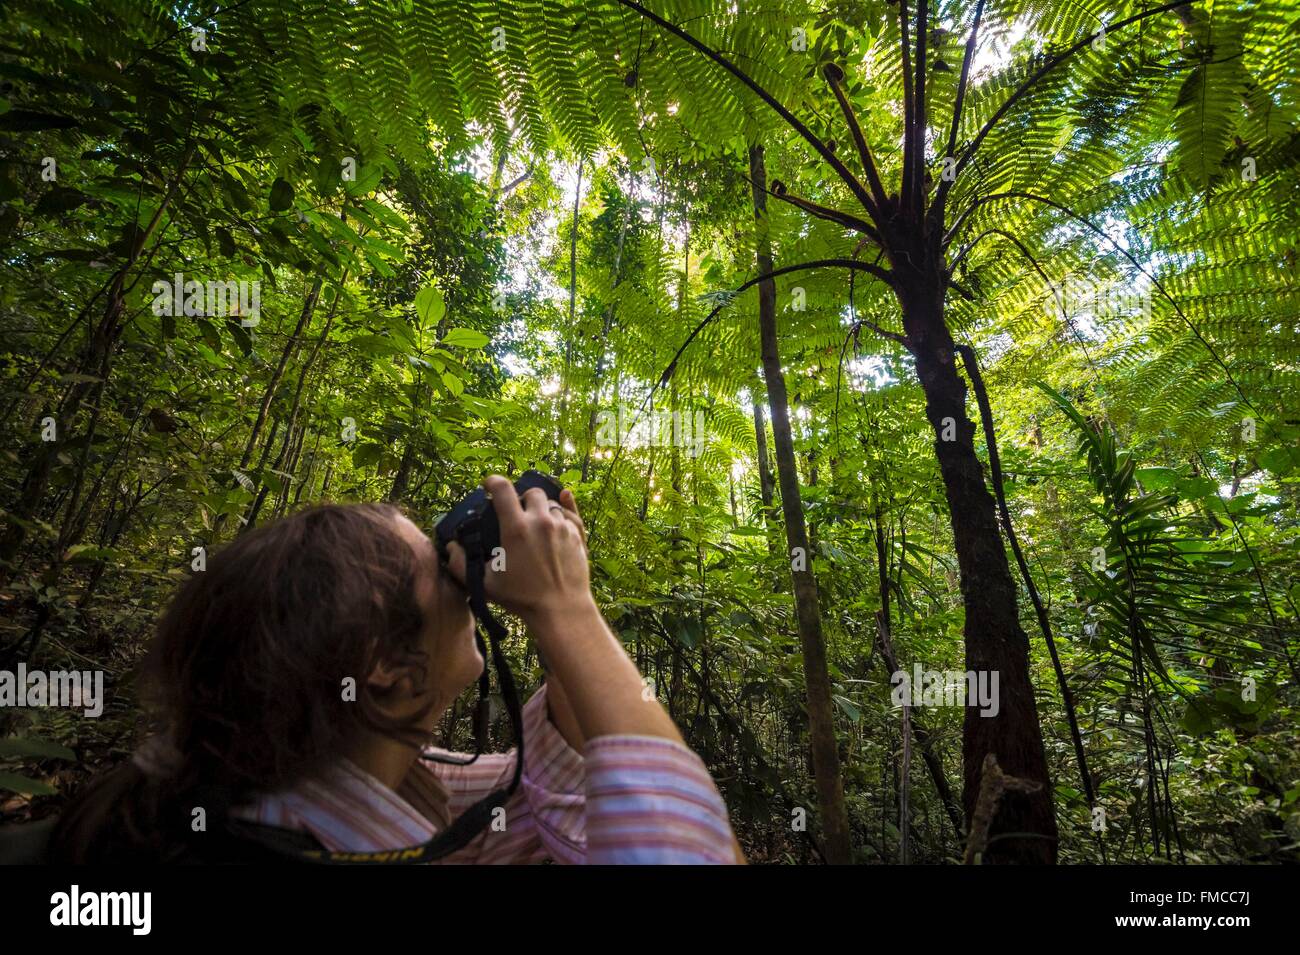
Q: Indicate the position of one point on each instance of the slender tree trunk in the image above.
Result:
(766, 480)
(282, 500)
(75, 527)
(821, 716)
(291, 346)
(311, 471)
(272, 386)
(604, 344)
(403, 476)
(905, 790)
(766, 483)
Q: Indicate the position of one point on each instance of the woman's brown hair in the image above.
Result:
(247, 676)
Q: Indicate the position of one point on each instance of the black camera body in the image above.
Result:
(476, 515)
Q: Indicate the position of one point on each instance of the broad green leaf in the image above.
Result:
(454, 384)
(30, 746)
(281, 195)
(465, 338)
(429, 305)
(24, 786)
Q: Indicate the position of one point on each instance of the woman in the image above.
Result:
(297, 680)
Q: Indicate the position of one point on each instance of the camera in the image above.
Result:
(475, 515)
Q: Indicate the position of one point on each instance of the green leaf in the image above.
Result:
(24, 786)
(241, 336)
(386, 215)
(686, 630)
(369, 175)
(209, 332)
(1198, 717)
(1155, 479)
(430, 305)
(85, 554)
(226, 243)
(376, 345)
(59, 201)
(454, 384)
(367, 455)
(31, 746)
(281, 195)
(30, 121)
(849, 708)
(465, 338)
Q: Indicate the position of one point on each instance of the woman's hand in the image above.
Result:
(541, 571)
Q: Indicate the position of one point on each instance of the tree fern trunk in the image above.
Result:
(995, 641)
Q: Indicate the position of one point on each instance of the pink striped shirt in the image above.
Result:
(625, 799)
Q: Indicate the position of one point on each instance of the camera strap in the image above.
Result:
(478, 816)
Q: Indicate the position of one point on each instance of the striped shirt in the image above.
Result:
(625, 799)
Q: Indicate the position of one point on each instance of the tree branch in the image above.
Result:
(852, 264)
(965, 77)
(919, 120)
(834, 76)
(966, 250)
(909, 104)
(1065, 313)
(883, 332)
(960, 289)
(845, 219)
(516, 183)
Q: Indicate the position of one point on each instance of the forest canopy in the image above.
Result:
(927, 375)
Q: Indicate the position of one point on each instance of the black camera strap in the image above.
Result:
(478, 816)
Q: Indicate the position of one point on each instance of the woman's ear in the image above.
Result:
(398, 686)
(387, 675)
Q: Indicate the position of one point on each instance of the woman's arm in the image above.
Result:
(546, 582)
(561, 713)
(648, 797)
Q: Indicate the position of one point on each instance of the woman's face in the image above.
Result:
(454, 661)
